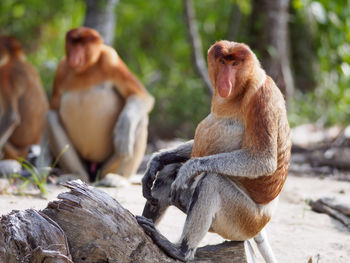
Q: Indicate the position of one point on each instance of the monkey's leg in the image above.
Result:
(169, 248)
(58, 140)
(264, 247)
(8, 122)
(204, 204)
(127, 166)
(155, 209)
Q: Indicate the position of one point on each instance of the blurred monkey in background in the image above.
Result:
(23, 102)
(98, 108)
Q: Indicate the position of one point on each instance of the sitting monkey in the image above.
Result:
(23, 102)
(227, 180)
(98, 108)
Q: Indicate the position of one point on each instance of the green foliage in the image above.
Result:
(18, 184)
(329, 102)
(37, 178)
(41, 25)
(153, 40)
(151, 37)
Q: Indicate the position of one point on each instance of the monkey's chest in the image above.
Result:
(89, 116)
(215, 136)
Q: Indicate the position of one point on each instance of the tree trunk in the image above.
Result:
(234, 24)
(196, 44)
(269, 30)
(100, 15)
(98, 229)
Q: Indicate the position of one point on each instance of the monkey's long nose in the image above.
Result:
(224, 83)
(76, 57)
(74, 61)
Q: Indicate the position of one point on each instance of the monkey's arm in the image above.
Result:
(133, 112)
(175, 155)
(57, 85)
(238, 163)
(138, 101)
(9, 121)
(257, 157)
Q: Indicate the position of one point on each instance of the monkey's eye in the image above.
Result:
(222, 61)
(235, 63)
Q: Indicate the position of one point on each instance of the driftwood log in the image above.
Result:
(321, 151)
(32, 237)
(87, 225)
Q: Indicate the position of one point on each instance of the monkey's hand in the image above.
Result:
(183, 181)
(153, 167)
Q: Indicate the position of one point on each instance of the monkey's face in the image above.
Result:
(229, 63)
(83, 48)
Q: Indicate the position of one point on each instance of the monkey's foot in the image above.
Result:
(113, 180)
(169, 248)
(63, 178)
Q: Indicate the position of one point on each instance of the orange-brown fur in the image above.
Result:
(73, 93)
(105, 69)
(255, 108)
(21, 92)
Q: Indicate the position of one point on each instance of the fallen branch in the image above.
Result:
(335, 210)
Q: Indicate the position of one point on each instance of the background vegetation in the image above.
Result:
(151, 37)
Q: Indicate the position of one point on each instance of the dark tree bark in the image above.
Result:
(269, 30)
(196, 44)
(98, 229)
(100, 15)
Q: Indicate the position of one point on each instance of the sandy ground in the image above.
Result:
(296, 233)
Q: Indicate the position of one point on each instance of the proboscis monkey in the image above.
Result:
(98, 108)
(23, 102)
(229, 177)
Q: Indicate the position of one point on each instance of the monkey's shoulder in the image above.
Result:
(272, 94)
(93, 78)
(217, 135)
(109, 56)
